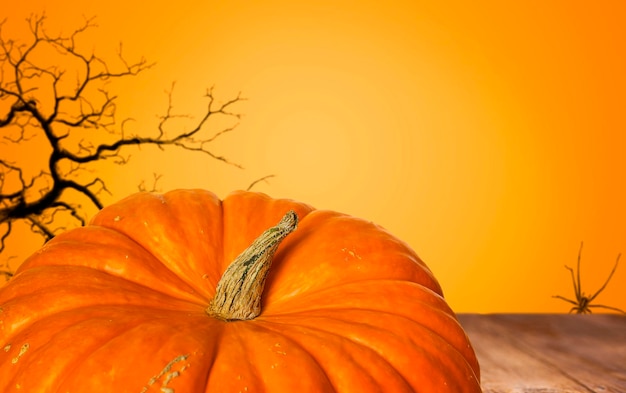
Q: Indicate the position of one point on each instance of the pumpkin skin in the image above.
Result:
(120, 305)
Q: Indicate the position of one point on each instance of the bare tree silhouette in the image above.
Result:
(56, 93)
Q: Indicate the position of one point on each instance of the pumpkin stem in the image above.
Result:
(238, 293)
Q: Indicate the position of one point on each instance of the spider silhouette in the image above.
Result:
(582, 304)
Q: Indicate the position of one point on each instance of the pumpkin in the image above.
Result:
(145, 299)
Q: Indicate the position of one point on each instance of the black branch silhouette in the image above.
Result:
(56, 93)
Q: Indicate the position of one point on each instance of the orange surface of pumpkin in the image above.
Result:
(120, 305)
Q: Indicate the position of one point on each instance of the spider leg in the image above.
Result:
(566, 299)
(607, 280)
(607, 307)
(578, 288)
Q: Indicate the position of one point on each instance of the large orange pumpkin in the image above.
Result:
(130, 303)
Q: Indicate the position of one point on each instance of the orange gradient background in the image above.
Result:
(490, 137)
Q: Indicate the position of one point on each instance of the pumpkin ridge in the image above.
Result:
(196, 290)
(20, 318)
(132, 324)
(193, 290)
(250, 345)
(420, 323)
(234, 337)
(45, 319)
(295, 343)
(330, 236)
(58, 334)
(432, 351)
(302, 297)
(163, 229)
(428, 300)
(194, 298)
(128, 287)
(70, 239)
(86, 354)
(94, 352)
(311, 349)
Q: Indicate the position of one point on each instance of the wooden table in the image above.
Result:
(544, 353)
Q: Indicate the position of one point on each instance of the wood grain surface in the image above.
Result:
(544, 353)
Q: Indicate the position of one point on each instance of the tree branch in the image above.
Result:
(58, 94)
(254, 183)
